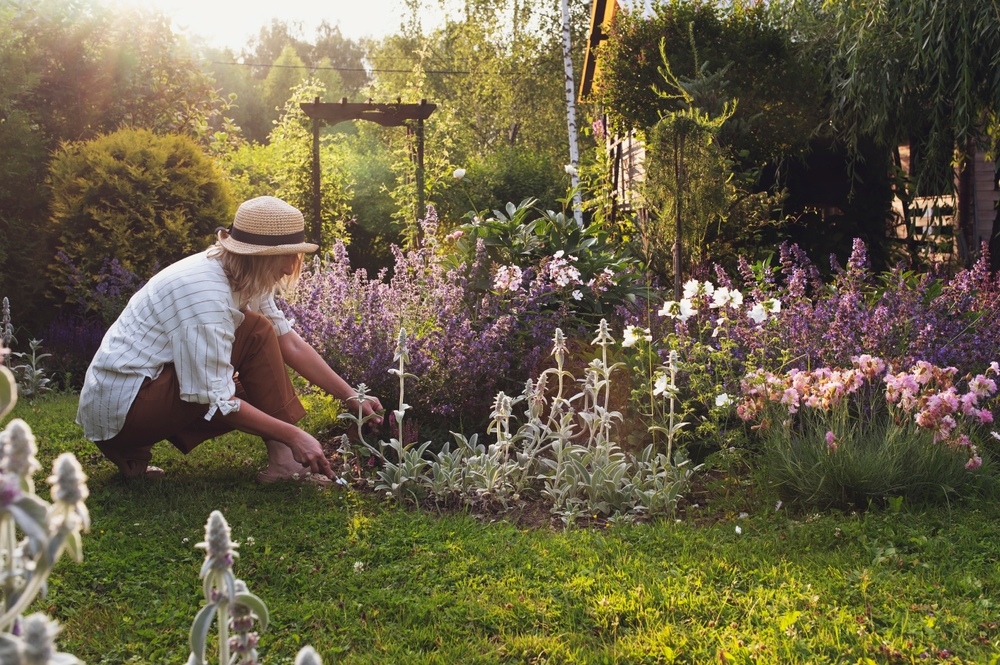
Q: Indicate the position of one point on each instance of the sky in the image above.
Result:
(223, 23)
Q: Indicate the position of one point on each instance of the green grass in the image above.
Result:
(831, 588)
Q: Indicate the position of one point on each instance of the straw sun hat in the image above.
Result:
(266, 226)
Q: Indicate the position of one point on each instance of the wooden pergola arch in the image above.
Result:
(411, 116)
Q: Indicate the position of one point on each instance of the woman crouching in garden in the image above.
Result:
(201, 350)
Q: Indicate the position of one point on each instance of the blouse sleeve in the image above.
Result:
(270, 309)
(202, 355)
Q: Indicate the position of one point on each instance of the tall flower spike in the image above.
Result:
(559, 344)
(603, 334)
(400, 351)
(39, 635)
(19, 449)
(69, 491)
(308, 656)
(220, 550)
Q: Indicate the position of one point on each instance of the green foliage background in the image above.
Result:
(144, 199)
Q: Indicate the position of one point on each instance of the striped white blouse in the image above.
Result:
(187, 315)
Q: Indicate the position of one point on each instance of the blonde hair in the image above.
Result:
(253, 275)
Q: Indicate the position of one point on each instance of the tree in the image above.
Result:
(926, 71)
(73, 70)
(339, 51)
(780, 91)
(287, 72)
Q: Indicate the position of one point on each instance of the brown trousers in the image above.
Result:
(158, 413)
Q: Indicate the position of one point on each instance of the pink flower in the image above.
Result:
(985, 416)
(791, 397)
(831, 442)
(969, 403)
(982, 387)
(926, 419)
(974, 463)
(923, 372)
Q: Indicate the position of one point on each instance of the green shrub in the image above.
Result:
(508, 174)
(144, 199)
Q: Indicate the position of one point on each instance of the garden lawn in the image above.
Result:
(369, 582)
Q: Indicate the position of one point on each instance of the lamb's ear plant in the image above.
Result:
(227, 599)
(31, 379)
(47, 531)
(230, 601)
(402, 475)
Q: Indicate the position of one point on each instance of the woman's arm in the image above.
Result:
(305, 448)
(306, 361)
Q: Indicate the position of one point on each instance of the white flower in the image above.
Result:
(743, 516)
(633, 334)
(458, 174)
(660, 385)
(694, 288)
(691, 288)
(681, 311)
(308, 656)
(508, 278)
(686, 311)
(724, 296)
(570, 170)
(738, 531)
(773, 305)
(777, 506)
(723, 399)
(757, 313)
(250, 541)
(359, 566)
(669, 308)
(995, 435)
(577, 294)
(558, 254)
(720, 298)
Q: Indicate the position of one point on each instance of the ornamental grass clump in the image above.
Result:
(845, 437)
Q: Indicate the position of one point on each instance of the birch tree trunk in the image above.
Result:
(574, 149)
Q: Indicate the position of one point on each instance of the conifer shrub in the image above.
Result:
(146, 200)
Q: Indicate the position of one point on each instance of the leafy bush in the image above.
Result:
(283, 167)
(506, 174)
(134, 196)
(546, 262)
(346, 317)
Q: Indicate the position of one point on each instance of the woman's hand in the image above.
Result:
(307, 451)
(371, 408)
